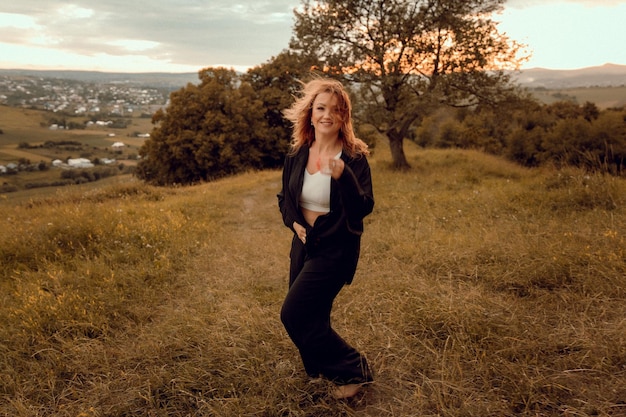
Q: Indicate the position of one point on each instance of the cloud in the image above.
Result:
(193, 33)
(522, 4)
(177, 35)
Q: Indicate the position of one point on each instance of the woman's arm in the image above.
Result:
(355, 187)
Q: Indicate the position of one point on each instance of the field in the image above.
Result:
(24, 126)
(484, 289)
(603, 97)
(30, 126)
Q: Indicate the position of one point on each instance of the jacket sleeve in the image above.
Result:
(357, 197)
(285, 202)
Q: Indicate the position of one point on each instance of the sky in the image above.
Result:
(188, 35)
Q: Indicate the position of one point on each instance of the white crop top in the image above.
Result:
(315, 193)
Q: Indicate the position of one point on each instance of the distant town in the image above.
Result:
(80, 98)
(99, 105)
(83, 93)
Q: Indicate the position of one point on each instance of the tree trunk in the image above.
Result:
(398, 130)
(398, 158)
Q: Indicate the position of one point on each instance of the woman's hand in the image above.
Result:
(328, 165)
(300, 231)
(337, 168)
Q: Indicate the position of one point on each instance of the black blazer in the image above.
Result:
(336, 234)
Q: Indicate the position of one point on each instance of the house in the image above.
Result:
(57, 163)
(118, 145)
(3, 169)
(80, 163)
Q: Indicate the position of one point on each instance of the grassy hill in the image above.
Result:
(484, 289)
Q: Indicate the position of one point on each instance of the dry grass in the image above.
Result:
(484, 289)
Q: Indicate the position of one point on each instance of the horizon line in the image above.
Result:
(234, 67)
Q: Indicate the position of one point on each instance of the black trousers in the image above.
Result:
(315, 281)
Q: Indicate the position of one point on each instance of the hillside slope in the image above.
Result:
(484, 289)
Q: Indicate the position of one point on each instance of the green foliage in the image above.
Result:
(120, 123)
(368, 134)
(560, 134)
(208, 131)
(217, 128)
(524, 146)
(75, 125)
(93, 174)
(450, 135)
(60, 143)
(72, 177)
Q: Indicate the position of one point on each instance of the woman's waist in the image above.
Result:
(311, 215)
(328, 227)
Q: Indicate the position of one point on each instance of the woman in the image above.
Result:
(326, 193)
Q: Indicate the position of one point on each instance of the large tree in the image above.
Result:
(410, 56)
(210, 130)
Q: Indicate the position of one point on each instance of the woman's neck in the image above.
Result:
(327, 146)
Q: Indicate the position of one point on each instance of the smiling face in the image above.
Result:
(326, 117)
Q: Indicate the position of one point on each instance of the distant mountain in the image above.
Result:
(147, 79)
(608, 75)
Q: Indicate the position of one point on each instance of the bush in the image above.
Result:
(89, 175)
(8, 188)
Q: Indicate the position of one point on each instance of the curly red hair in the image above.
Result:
(299, 114)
